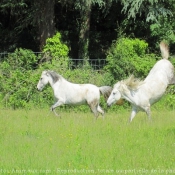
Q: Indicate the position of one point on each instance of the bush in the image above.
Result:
(22, 59)
(58, 52)
(128, 56)
(20, 73)
(19, 81)
(16, 85)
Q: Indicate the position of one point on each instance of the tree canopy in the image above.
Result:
(87, 27)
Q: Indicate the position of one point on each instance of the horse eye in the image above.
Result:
(41, 78)
(114, 93)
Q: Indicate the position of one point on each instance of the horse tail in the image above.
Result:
(105, 91)
(164, 50)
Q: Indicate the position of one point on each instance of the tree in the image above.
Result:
(84, 7)
(85, 13)
(11, 22)
(43, 18)
(157, 16)
(151, 8)
(28, 17)
(164, 29)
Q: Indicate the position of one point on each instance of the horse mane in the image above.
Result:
(164, 50)
(132, 83)
(54, 76)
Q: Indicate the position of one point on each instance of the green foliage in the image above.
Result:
(19, 75)
(164, 30)
(15, 6)
(128, 56)
(172, 59)
(58, 51)
(22, 59)
(143, 65)
(169, 100)
(16, 86)
(153, 11)
(55, 46)
(18, 79)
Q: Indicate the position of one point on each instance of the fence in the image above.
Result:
(96, 64)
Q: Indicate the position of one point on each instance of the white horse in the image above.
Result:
(69, 93)
(142, 94)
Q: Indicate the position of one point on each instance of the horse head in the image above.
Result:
(115, 94)
(47, 76)
(44, 79)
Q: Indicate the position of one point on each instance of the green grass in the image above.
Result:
(33, 143)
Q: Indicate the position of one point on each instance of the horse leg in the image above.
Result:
(58, 103)
(94, 108)
(100, 110)
(133, 113)
(95, 111)
(148, 112)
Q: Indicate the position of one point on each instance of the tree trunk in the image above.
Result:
(46, 21)
(83, 52)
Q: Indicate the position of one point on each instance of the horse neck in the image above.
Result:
(51, 82)
(127, 94)
(62, 83)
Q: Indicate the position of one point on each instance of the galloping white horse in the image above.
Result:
(66, 92)
(142, 94)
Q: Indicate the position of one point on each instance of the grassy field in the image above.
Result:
(33, 143)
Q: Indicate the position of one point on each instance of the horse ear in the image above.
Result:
(122, 87)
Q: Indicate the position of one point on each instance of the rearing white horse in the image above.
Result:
(142, 94)
(69, 93)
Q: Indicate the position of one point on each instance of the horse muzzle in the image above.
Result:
(108, 104)
(38, 88)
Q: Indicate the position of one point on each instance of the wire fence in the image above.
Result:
(96, 64)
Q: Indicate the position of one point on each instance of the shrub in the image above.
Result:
(20, 73)
(128, 56)
(58, 51)
(23, 59)
(15, 82)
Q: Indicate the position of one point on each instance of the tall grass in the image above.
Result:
(31, 142)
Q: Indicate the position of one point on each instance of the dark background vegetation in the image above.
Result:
(87, 27)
